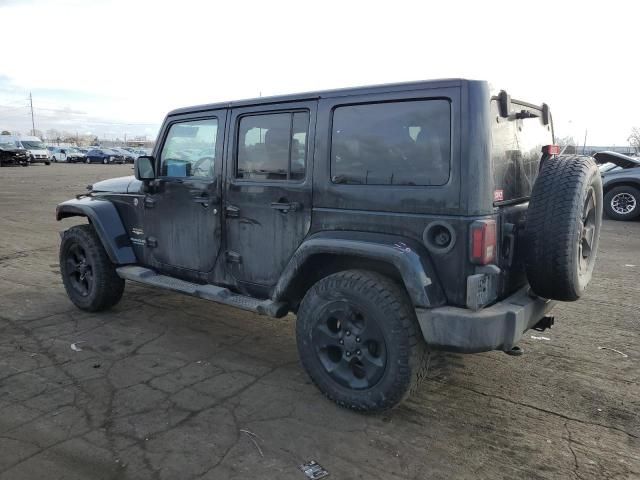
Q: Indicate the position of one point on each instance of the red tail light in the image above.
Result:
(483, 242)
(551, 149)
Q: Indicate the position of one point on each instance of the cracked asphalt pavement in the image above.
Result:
(171, 387)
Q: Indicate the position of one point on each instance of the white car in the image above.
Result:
(66, 154)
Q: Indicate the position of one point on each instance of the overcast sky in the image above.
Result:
(112, 66)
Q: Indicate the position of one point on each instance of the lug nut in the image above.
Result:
(348, 354)
(348, 333)
(358, 339)
(341, 342)
(358, 352)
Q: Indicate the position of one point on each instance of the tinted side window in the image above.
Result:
(272, 146)
(394, 143)
(189, 149)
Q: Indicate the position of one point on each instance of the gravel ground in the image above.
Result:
(172, 387)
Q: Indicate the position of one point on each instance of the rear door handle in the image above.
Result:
(285, 207)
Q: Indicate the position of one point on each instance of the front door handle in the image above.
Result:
(285, 207)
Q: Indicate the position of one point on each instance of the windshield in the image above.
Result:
(516, 152)
(33, 144)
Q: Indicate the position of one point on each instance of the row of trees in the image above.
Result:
(57, 137)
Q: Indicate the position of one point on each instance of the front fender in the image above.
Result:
(104, 217)
(405, 255)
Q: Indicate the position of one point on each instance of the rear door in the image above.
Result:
(268, 191)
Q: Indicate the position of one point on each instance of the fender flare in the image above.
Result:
(405, 255)
(622, 180)
(104, 217)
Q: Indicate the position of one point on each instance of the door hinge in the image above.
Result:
(152, 242)
(233, 257)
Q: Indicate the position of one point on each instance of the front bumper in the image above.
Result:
(498, 327)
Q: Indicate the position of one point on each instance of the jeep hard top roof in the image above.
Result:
(340, 92)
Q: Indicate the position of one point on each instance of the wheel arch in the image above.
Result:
(104, 218)
(329, 252)
(623, 182)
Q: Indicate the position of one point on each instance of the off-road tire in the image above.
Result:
(387, 304)
(632, 192)
(107, 287)
(554, 227)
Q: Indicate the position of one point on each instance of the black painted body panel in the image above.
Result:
(238, 240)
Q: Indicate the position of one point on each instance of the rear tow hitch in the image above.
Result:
(544, 323)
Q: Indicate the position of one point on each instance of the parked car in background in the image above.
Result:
(12, 155)
(103, 155)
(129, 157)
(66, 154)
(38, 152)
(621, 184)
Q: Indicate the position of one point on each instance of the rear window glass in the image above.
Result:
(516, 152)
(394, 143)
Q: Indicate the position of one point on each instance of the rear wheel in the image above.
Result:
(622, 203)
(87, 161)
(563, 227)
(359, 340)
(105, 160)
(89, 277)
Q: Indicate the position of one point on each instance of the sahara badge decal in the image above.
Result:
(138, 241)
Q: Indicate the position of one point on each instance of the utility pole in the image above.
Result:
(33, 124)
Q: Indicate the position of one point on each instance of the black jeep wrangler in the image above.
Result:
(393, 220)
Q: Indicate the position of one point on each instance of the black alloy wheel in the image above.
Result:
(350, 347)
(79, 270)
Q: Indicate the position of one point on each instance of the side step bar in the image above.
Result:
(207, 292)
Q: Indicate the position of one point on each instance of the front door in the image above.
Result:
(182, 213)
(268, 191)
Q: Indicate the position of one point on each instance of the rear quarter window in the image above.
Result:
(392, 143)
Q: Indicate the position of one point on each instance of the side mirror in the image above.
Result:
(144, 168)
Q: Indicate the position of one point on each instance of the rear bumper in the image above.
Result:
(498, 327)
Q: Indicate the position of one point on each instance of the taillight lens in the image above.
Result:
(551, 149)
(483, 242)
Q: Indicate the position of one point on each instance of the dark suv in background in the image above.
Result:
(393, 220)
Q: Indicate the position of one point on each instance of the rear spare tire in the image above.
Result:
(563, 227)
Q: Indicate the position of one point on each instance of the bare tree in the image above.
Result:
(634, 139)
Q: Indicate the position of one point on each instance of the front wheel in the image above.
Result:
(89, 277)
(622, 203)
(359, 340)
(105, 160)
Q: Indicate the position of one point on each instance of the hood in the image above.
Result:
(618, 159)
(117, 185)
(12, 149)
